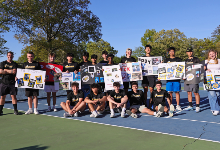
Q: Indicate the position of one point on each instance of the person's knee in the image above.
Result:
(62, 103)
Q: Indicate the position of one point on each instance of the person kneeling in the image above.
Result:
(74, 102)
(96, 101)
(117, 98)
(159, 104)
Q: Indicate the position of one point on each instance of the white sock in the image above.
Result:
(155, 113)
(123, 109)
(35, 109)
(30, 108)
(112, 111)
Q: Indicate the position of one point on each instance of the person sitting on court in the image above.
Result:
(96, 101)
(136, 99)
(159, 104)
(117, 98)
(74, 102)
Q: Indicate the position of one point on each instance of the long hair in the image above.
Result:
(216, 59)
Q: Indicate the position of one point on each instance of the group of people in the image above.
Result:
(116, 99)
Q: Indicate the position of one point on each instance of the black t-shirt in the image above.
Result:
(47, 82)
(136, 98)
(117, 96)
(176, 59)
(128, 60)
(74, 99)
(71, 67)
(33, 66)
(111, 64)
(8, 78)
(159, 97)
(193, 60)
(88, 63)
(94, 97)
(103, 62)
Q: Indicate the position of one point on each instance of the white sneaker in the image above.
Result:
(76, 114)
(55, 110)
(215, 113)
(160, 111)
(178, 108)
(197, 109)
(122, 114)
(188, 108)
(112, 115)
(134, 115)
(94, 114)
(30, 111)
(36, 112)
(171, 110)
(67, 115)
(49, 109)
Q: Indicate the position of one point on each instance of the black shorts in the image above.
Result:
(7, 89)
(31, 92)
(148, 81)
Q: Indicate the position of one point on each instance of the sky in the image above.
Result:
(124, 22)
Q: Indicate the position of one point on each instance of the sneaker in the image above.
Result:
(178, 108)
(94, 114)
(36, 112)
(16, 112)
(76, 114)
(1, 113)
(49, 109)
(188, 108)
(122, 114)
(197, 109)
(112, 115)
(30, 111)
(215, 113)
(128, 112)
(107, 108)
(160, 111)
(100, 111)
(171, 110)
(117, 110)
(66, 114)
(55, 110)
(134, 115)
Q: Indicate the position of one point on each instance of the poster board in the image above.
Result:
(194, 73)
(28, 78)
(149, 65)
(212, 80)
(92, 74)
(171, 71)
(131, 71)
(112, 74)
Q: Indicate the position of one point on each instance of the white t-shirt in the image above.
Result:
(211, 64)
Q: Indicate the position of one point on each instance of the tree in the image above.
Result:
(98, 47)
(138, 52)
(62, 24)
(216, 34)
(3, 49)
(148, 37)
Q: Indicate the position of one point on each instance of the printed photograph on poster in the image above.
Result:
(20, 82)
(64, 86)
(38, 79)
(85, 79)
(67, 77)
(156, 61)
(26, 76)
(76, 77)
(136, 67)
(91, 69)
(162, 70)
(96, 79)
(57, 77)
(136, 76)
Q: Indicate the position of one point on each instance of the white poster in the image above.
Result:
(212, 80)
(131, 71)
(112, 74)
(33, 79)
(171, 71)
(150, 65)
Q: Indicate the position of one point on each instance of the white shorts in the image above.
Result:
(50, 88)
(138, 107)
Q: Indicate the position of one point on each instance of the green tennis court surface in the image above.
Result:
(27, 132)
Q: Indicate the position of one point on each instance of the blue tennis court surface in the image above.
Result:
(202, 125)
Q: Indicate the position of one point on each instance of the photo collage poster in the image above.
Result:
(65, 79)
(149, 65)
(92, 74)
(212, 80)
(194, 74)
(112, 74)
(131, 71)
(27, 78)
(171, 71)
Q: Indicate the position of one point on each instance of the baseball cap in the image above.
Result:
(189, 49)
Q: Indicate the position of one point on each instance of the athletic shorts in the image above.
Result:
(138, 107)
(8, 89)
(50, 88)
(148, 81)
(191, 88)
(173, 86)
(31, 92)
(155, 105)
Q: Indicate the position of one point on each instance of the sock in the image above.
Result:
(30, 108)
(35, 109)
(197, 105)
(1, 107)
(112, 111)
(190, 104)
(155, 113)
(15, 106)
(123, 109)
(49, 107)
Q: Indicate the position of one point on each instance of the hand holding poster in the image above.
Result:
(150, 65)
(27, 78)
(112, 74)
(171, 71)
(212, 80)
(131, 71)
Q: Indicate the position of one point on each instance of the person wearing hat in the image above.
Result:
(192, 87)
(104, 56)
(85, 60)
(127, 59)
(93, 59)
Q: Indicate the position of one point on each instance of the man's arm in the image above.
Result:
(87, 100)
(111, 99)
(80, 101)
